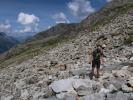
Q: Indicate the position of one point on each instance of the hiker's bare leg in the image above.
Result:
(92, 71)
(98, 69)
(93, 68)
(97, 75)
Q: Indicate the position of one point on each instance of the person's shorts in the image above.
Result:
(96, 63)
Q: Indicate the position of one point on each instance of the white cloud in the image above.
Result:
(80, 8)
(108, 0)
(60, 18)
(24, 18)
(25, 30)
(5, 27)
(29, 22)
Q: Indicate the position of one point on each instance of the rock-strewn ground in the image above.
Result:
(45, 77)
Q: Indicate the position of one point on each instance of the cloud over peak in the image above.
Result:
(24, 18)
(5, 26)
(28, 21)
(80, 8)
(60, 18)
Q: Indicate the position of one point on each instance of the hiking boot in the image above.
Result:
(96, 76)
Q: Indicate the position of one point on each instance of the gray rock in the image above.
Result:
(20, 84)
(130, 81)
(82, 91)
(119, 96)
(131, 58)
(125, 67)
(31, 80)
(24, 94)
(70, 97)
(10, 97)
(117, 83)
(112, 88)
(96, 96)
(125, 88)
(78, 71)
(63, 74)
(104, 91)
(62, 85)
(121, 73)
(48, 93)
(53, 63)
(61, 96)
(130, 69)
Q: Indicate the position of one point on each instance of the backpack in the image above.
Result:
(96, 54)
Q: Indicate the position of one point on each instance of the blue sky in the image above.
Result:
(27, 17)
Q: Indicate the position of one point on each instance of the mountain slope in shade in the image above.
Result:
(6, 42)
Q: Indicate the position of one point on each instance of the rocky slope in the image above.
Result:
(62, 73)
(39, 43)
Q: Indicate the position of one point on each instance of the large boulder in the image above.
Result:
(81, 82)
(82, 91)
(116, 83)
(63, 95)
(62, 85)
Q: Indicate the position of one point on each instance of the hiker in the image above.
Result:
(96, 59)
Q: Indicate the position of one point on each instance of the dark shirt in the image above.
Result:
(97, 54)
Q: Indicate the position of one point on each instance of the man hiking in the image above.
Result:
(96, 59)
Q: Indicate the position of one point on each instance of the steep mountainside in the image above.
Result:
(6, 42)
(40, 43)
(59, 29)
(60, 71)
(107, 13)
(64, 32)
